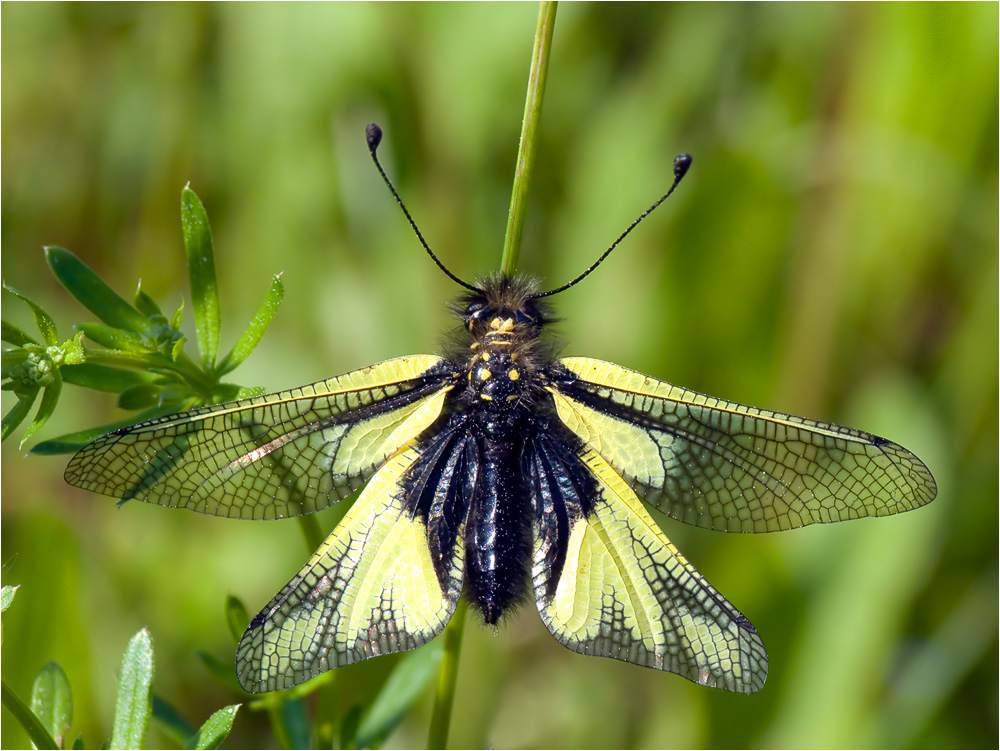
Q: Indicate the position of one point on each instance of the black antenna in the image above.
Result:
(681, 165)
(373, 134)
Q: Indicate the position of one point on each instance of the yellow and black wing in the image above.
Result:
(372, 588)
(725, 466)
(607, 581)
(285, 454)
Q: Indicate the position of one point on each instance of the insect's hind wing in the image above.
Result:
(284, 454)
(725, 466)
(607, 581)
(372, 588)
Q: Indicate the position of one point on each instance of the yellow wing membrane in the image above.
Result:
(724, 466)
(370, 589)
(274, 456)
(625, 592)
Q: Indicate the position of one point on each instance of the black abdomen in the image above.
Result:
(498, 531)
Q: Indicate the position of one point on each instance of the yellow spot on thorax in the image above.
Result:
(512, 374)
(484, 374)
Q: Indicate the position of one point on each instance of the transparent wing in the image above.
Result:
(285, 454)
(370, 589)
(620, 589)
(721, 465)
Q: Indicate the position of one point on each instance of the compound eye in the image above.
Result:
(479, 312)
(524, 319)
(474, 310)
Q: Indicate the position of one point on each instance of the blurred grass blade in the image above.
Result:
(72, 442)
(104, 377)
(43, 320)
(201, 270)
(405, 686)
(50, 397)
(52, 701)
(33, 727)
(216, 728)
(171, 722)
(237, 616)
(16, 336)
(295, 721)
(349, 728)
(91, 291)
(17, 414)
(258, 325)
(224, 671)
(134, 704)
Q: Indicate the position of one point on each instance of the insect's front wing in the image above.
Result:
(370, 589)
(725, 466)
(284, 454)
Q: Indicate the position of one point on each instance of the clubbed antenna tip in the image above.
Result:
(374, 135)
(682, 162)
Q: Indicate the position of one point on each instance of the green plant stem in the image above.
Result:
(36, 731)
(444, 694)
(529, 128)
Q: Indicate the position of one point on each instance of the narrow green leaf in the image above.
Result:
(178, 349)
(47, 405)
(104, 377)
(52, 701)
(134, 704)
(73, 442)
(7, 599)
(43, 320)
(223, 671)
(407, 682)
(172, 722)
(216, 728)
(201, 270)
(33, 727)
(91, 291)
(258, 325)
(14, 335)
(78, 743)
(17, 414)
(237, 617)
(178, 317)
(113, 338)
(140, 396)
(7, 596)
(152, 361)
(144, 303)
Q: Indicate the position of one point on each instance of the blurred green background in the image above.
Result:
(833, 253)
